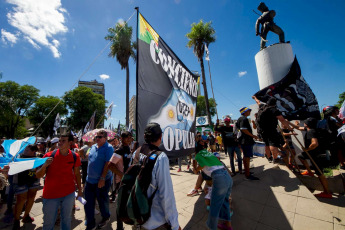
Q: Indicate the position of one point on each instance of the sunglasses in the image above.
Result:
(99, 137)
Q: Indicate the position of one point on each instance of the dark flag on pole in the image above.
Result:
(295, 99)
(166, 93)
(90, 125)
(119, 129)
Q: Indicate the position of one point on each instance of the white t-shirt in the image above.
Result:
(209, 169)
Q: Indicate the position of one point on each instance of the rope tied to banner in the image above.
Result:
(83, 73)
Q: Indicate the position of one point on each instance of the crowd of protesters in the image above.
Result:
(94, 169)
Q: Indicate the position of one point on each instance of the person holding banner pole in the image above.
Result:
(313, 153)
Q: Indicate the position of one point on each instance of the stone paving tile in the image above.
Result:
(304, 222)
(315, 210)
(282, 201)
(261, 226)
(277, 218)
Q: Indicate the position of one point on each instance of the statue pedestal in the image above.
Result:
(273, 63)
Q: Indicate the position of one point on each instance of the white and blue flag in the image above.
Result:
(12, 150)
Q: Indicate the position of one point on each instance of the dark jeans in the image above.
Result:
(231, 151)
(92, 192)
(84, 165)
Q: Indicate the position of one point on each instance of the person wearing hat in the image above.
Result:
(231, 143)
(312, 145)
(164, 213)
(337, 143)
(54, 143)
(246, 141)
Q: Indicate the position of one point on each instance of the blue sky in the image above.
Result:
(49, 44)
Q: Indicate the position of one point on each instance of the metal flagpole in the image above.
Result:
(209, 70)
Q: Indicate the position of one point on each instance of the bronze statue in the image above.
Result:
(266, 19)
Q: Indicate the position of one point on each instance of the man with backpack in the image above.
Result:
(267, 119)
(156, 207)
(62, 174)
(230, 141)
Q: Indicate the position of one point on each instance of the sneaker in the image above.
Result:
(223, 227)
(193, 192)
(178, 170)
(251, 177)
(28, 219)
(324, 195)
(103, 223)
(306, 173)
(270, 159)
(16, 225)
(200, 190)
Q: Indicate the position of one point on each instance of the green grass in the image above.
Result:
(329, 171)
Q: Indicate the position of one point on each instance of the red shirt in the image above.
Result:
(60, 180)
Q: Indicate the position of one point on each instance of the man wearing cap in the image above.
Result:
(246, 141)
(272, 138)
(164, 214)
(231, 143)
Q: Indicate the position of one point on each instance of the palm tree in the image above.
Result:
(201, 34)
(122, 48)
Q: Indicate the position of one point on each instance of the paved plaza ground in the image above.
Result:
(277, 201)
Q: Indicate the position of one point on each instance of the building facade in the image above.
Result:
(96, 86)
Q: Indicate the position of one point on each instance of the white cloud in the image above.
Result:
(104, 76)
(40, 21)
(8, 37)
(242, 73)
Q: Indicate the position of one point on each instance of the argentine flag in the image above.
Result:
(15, 147)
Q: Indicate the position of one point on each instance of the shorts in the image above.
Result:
(319, 160)
(205, 177)
(273, 139)
(247, 150)
(19, 189)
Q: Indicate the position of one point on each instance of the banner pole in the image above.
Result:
(99, 120)
(137, 62)
(209, 70)
(310, 158)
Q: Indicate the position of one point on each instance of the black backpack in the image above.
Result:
(73, 154)
(133, 206)
(324, 135)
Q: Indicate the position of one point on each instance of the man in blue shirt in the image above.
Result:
(164, 214)
(98, 181)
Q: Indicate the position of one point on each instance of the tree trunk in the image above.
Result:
(205, 90)
(127, 96)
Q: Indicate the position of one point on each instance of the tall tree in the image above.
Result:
(201, 107)
(201, 34)
(122, 48)
(41, 109)
(15, 101)
(82, 102)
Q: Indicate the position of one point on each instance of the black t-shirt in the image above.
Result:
(271, 120)
(243, 123)
(228, 136)
(125, 152)
(211, 140)
(309, 135)
(26, 177)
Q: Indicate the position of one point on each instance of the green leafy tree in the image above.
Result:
(15, 101)
(122, 48)
(42, 108)
(341, 100)
(201, 107)
(82, 102)
(201, 34)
